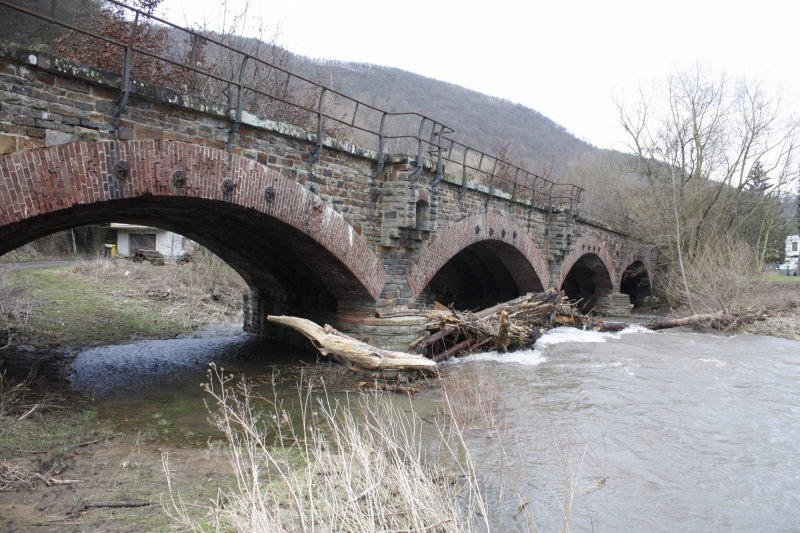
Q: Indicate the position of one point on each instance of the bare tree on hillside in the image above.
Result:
(696, 141)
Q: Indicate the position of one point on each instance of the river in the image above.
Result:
(640, 431)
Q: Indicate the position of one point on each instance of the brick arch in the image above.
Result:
(586, 245)
(632, 257)
(35, 184)
(471, 230)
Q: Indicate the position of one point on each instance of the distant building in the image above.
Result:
(792, 246)
(132, 237)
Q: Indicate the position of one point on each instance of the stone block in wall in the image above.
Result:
(54, 138)
(8, 143)
(388, 333)
(616, 304)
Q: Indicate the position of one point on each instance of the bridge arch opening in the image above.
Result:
(587, 280)
(482, 274)
(286, 270)
(635, 283)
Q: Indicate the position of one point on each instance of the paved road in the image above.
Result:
(27, 265)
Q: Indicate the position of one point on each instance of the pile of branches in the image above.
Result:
(518, 323)
(510, 325)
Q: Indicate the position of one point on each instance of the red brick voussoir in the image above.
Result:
(527, 265)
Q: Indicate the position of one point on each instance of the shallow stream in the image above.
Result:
(634, 431)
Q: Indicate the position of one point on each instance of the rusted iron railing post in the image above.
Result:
(381, 148)
(126, 70)
(320, 123)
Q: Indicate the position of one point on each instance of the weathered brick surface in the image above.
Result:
(374, 244)
(477, 228)
(588, 244)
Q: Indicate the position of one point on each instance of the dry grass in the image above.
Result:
(718, 276)
(785, 324)
(16, 306)
(782, 316)
(726, 276)
(369, 463)
(13, 477)
(202, 292)
(360, 465)
(473, 402)
(23, 253)
(779, 296)
(22, 403)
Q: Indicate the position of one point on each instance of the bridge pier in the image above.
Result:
(360, 322)
(616, 304)
(393, 333)
(257, 303)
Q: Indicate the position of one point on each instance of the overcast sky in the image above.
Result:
(566, 59)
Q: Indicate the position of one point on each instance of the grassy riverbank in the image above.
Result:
(61, 461)
(110, 301)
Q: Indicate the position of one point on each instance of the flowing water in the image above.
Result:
(634, 431)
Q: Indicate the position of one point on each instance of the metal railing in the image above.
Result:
(244, 82)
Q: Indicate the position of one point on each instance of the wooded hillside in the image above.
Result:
(482, 121)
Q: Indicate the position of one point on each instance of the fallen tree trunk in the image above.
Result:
(685, 321)
(720, 320)
(354, 353)
(397, 389)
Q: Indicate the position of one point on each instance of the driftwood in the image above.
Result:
(516, 323)
(116, 505)
(354, 353)
(397, 389)
(718, 320)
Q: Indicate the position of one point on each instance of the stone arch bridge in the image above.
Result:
(323, 230)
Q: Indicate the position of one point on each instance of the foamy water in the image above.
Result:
(522, 357)
(537, 354)
(567, 334)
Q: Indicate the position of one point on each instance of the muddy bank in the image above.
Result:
(784, 324)
(118, 470)
(62, 462)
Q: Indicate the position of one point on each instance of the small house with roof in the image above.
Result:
(132, 237)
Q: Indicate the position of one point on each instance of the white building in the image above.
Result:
(131, 237)
(792, 246)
